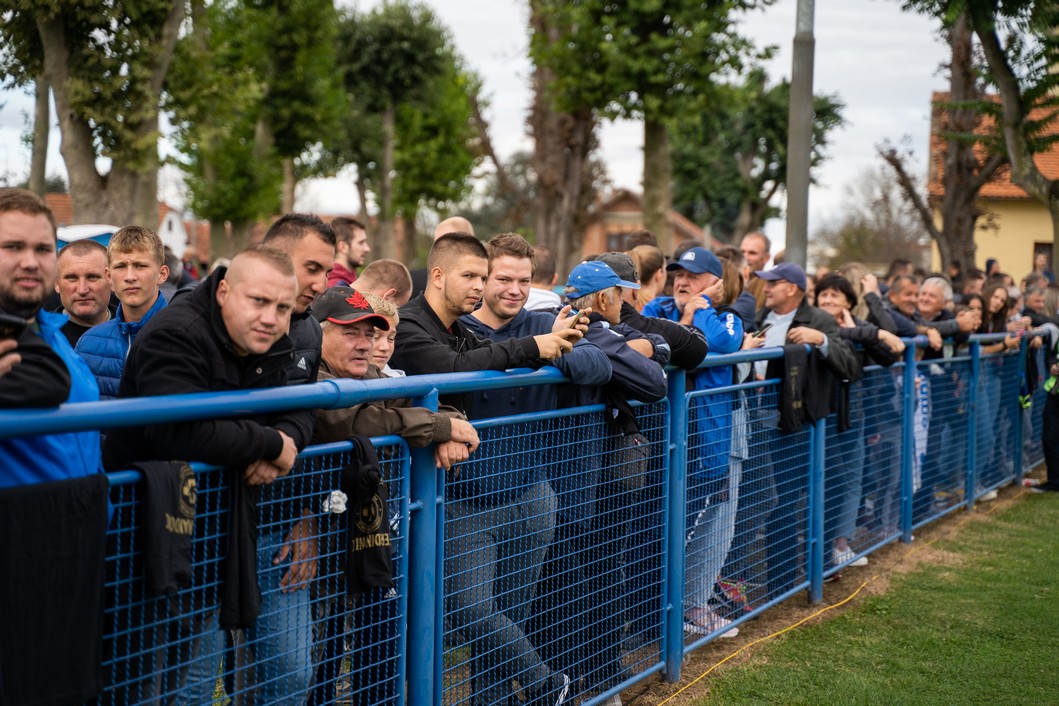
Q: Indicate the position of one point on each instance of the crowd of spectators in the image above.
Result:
(295, 310)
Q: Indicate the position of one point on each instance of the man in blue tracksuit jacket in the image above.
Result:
(135, 267)
(712, 486)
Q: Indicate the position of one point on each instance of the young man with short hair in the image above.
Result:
(83, 287)
(136, 268)
(388, 279)
(352, 248)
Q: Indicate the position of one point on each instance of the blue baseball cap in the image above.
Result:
(785, 270)
(594, 276)
(697, 261)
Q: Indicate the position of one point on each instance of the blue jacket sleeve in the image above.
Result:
(638, 377)
(724, 331)
(586, 364)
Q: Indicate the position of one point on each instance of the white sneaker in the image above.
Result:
(987, 496)
(846, 556)
(707, 623)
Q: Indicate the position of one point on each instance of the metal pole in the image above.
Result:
(816, 511)
(908, 407)
(423, 576)
(673, 637)
(800, 135)
(972, 426)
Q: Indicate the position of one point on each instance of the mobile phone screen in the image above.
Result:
(760, 333)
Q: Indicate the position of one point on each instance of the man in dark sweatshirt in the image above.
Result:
(490, 520)
(229, 333)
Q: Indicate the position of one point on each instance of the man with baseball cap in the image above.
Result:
(607, 485)
(791, 319)
(698, 294)
(349, 324)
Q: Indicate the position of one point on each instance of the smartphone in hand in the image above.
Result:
(760, 333)
(11, 326)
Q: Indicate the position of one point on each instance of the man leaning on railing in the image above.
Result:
(229, 333)
(53, 501)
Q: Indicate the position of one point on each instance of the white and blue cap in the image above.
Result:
(697, 261)
(595, 276)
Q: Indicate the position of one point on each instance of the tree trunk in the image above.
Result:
(120, 197)
(289, 184)
(657, 186)
(562, 143)
(38, 164)
(220, 240)
(384, 246)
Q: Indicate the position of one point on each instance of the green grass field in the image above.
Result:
(977, 623)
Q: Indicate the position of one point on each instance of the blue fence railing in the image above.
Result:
(608, 560)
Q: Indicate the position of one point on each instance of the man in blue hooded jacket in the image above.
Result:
(135, 267)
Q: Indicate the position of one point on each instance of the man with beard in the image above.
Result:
(431, 338)
(38, 368)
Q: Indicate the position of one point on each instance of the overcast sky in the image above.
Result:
(882, 63)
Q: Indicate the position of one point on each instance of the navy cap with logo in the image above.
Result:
(785, 270)
(697, 261)
(345, 305)
(592, 277)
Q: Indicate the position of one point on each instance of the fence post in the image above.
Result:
(972, 426)
(673, 634)
(908, 411)
(424, 575)
(1016, 457)
(817, 448)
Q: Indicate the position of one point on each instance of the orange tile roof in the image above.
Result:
(1000, 186)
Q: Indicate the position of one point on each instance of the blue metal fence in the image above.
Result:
(561, 551)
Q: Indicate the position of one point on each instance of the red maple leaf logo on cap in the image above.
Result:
(358, 301)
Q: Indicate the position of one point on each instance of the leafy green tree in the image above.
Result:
(730, 160)
(388, 58)
(106, 64)
(649, 59)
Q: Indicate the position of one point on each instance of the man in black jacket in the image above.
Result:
(229, 333)
(791, 319)
(431, 338)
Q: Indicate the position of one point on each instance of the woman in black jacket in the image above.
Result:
(846, 450)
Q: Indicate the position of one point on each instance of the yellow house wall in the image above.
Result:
(1020, 226)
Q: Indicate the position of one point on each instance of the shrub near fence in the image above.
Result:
(613, 540)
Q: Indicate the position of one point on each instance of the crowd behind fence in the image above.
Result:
(597, 566)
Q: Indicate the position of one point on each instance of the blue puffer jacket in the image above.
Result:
(37, 459)
(710, 433)
(105, 347)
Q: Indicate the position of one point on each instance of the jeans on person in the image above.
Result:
(494, 555)
(843, 480)
(709, 540)
(281, 640)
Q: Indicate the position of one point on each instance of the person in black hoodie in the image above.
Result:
(431, 338)
(230, 333)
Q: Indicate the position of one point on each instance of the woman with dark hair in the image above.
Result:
(844, 471)
(995, 302)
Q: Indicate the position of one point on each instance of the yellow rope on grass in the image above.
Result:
(841, 603)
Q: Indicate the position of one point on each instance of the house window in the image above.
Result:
(615, 242)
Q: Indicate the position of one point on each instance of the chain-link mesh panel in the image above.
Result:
(862, 468)
(939, 437)
(998, 413)
(767, 555)
(172, 649)
(553, 558)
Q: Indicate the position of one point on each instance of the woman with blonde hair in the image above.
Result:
(651, 265)
(869, 306)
